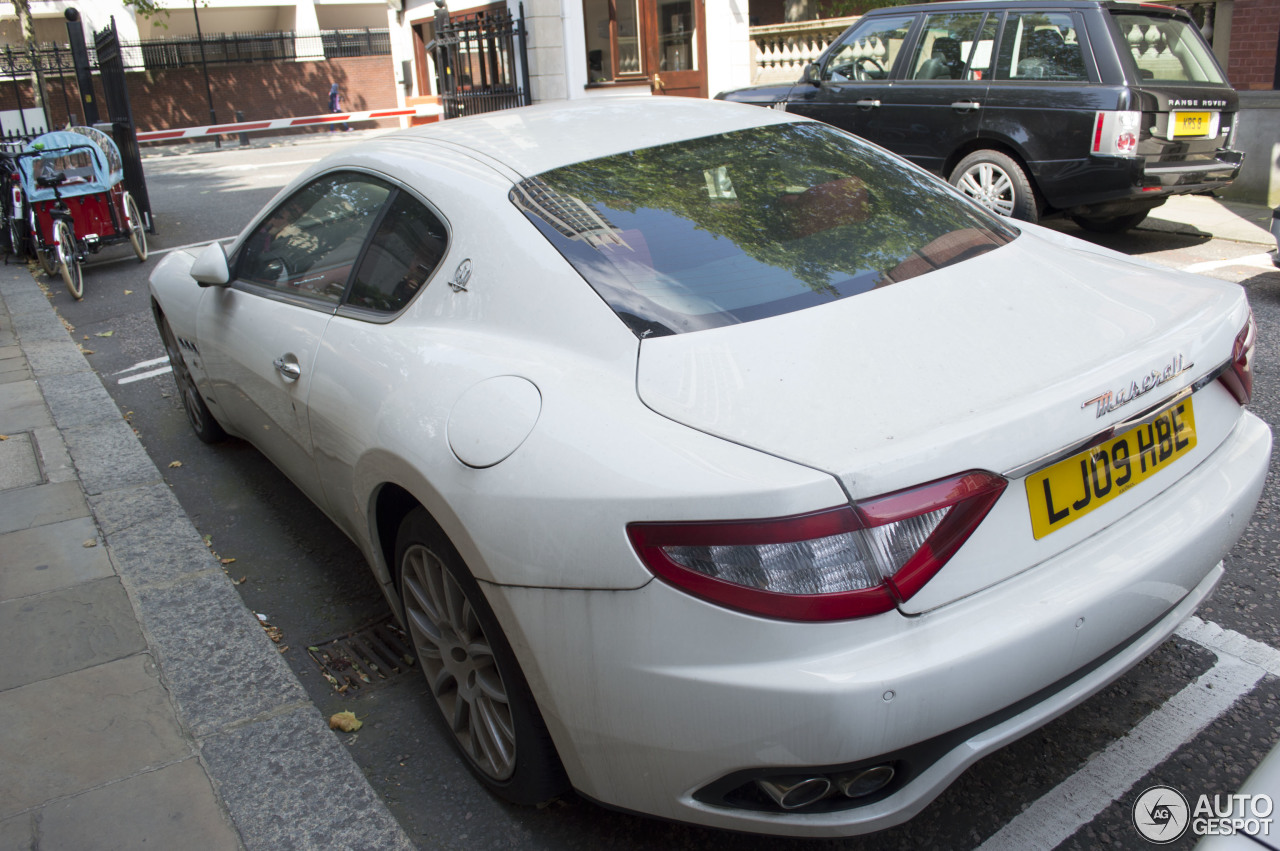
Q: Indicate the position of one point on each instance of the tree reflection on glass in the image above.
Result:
(749, 224)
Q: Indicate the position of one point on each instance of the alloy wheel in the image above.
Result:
(990, 186)
(458, 660)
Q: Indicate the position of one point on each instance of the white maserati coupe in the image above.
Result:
(724, 467)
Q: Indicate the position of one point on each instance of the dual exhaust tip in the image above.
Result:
(797, 792)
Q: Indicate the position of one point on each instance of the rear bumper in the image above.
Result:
(1114, 186)
(655, 698)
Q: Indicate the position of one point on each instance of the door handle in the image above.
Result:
(288, 368)
(966, 105)
(867, 104)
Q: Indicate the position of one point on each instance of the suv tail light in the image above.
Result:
(844, 562)
(1115, 134)
(1239, 378)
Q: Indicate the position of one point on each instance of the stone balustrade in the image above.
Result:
(780, 51)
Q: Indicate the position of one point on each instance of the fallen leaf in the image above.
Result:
(175, 463)
(128, 292)
(90, 543)
(208, 540)
(346, 721)
(4, 437)
(103, 334)
(86, 336)
(85, 351)
(228, 560)
(242, 580)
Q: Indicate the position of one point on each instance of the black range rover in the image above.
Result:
(1099, 110)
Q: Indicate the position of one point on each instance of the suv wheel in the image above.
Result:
(1114, 224)
(997, 182)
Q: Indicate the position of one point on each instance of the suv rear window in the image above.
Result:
(750, 224)
(1167, 50)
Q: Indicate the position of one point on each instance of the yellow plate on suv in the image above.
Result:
(1070, 489)
(1191, 124)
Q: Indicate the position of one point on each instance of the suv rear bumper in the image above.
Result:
(1120, 185)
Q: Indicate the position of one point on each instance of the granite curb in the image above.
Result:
(277, 772)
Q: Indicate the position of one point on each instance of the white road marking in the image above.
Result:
(142, 365)
(255, 166)
(177, 167)
(1076, 801)
(152, 374)
(1229, 642)
(157, 252)
(1261, 261)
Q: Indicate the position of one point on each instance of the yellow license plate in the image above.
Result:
(1191, 124)
(1070, 489)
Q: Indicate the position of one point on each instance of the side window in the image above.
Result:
(1041, 46)
(307, 245)
(405, 250)
(984, 52)
(869, 50)
(944, 46)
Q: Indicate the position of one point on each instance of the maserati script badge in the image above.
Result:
(1113, 399)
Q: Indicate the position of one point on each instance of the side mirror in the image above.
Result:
(210, 267)
(812, 74)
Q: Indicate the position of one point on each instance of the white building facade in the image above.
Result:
(595, 48)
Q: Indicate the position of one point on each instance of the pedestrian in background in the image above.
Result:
(335, 105)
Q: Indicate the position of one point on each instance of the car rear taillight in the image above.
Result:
(1239, 378)
(841, 563)
(1115, 134)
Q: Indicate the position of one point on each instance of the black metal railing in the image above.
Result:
(481, 63)
(16, 62)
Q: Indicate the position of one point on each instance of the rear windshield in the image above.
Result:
(1168, 50)
(750, 224)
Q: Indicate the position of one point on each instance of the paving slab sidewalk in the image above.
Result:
(1220, 218)
(120, 633)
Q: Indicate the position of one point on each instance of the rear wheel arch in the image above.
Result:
(391, 505)
(454, 630)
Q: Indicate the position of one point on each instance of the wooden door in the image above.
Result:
(676, 46)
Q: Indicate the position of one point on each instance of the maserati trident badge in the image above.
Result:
(461, 275)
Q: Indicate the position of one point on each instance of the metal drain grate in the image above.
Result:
(364, 658)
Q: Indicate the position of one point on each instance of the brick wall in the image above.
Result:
(1255, 30)
(176, 98)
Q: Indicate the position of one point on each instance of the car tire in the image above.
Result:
(997, 182)
(1115, 224)
(68, 264)
(202, 421)
(481, 695)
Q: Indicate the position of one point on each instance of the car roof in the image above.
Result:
(1021, 4)
(535, 139)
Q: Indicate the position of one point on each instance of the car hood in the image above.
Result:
(987, 364)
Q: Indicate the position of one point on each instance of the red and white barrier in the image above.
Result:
(285, 123)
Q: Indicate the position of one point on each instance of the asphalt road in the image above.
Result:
(311, 584)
